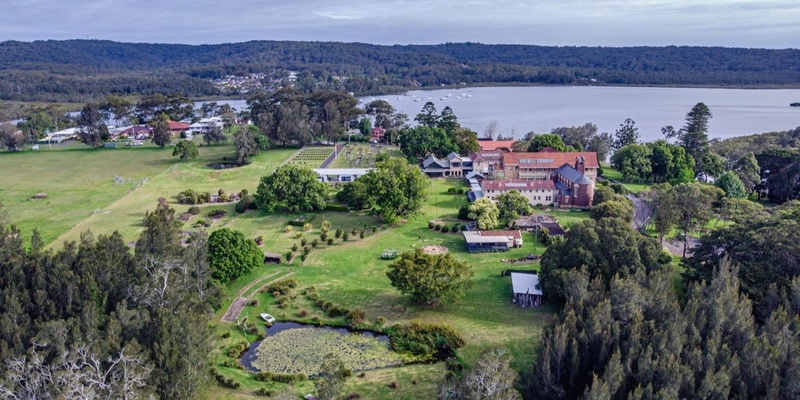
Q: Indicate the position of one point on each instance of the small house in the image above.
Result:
(480, 241)
(527, 291)
(272, 258)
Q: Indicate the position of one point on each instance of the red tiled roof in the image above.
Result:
(518, 184)
(550, 160)
(514, 234)
(178, 126)
(495, 144)
(495, 155)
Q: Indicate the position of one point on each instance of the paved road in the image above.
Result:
(640, 217)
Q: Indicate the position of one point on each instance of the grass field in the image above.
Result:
(83, 195)
(353, 275)
(82, 192)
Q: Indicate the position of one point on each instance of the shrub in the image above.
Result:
(307, 226)
(246, 202)
(330, 241)
(283, 286)
(463, 228)
(263, 392)
(430, 224)
(303, 257)
(253, 303)
(298, 235)
(394, 385)
(339, 233)
(303, 242)
(323, 236)
(294, 247)
(336, 207)
(289, 229)
(259, 240)
(302, 314)
(288, 379)
(189, 196)
(460, 191)
(445, 229)
(455, 228)
(374, 229)
(437, 227)
(356, 317)
(306, 250)
(226, 335)
(283, 302)
(314, 243)
(380, 321)
(424, 342)
(217, 214)
(225, 382)
(289, 255)
(345, 236)
(194, 210)
(264, 376)
(238, 349)
(361, 234)
(451, 190)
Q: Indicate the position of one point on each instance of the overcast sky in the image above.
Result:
(731, 23)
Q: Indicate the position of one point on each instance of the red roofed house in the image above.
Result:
(541, 165)
(491, 145)
(547, 178)
(377, 135)
(177, 127)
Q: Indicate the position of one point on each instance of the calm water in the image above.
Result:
(736, 112)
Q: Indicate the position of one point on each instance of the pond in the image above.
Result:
(223, 165)
(294, 348)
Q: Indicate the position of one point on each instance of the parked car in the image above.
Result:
(268, 318)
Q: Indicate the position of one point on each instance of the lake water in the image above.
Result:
(736, 112)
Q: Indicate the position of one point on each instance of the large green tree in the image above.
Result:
(430, 279)
(396, 187)
(627, 134)
(485, 212)
(186, 150)
(633, 161)
(731, 185)
(298, 188)
(162, 135)
(231, 255)
(748, 171)
(554, 141)
(89, 123)
(606, 248)
(512, 205)
(421, 141)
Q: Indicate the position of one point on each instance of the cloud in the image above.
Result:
(740, 23)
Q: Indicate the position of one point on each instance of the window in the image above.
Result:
(346, 178)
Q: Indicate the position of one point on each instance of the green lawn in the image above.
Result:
(83, 193)
(611, 173)
(353, 275)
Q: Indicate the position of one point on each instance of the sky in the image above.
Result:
(729, 23)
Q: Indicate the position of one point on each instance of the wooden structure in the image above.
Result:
(272, 258)
(527, 292)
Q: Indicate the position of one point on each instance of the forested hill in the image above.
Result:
(84, 69)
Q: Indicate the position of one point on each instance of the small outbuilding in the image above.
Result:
(527, 291)
(272, 258)
(480, 241)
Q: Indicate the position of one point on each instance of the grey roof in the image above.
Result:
(565, 191)
(452, 155)
(433, 160)
(572, 175)
(474, 175)
(525, 283)
(475, 237)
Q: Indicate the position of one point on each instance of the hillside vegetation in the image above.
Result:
(79, 70)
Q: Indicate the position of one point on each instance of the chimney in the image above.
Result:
(579, 164)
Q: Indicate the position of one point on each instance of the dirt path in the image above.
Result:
(238, 304)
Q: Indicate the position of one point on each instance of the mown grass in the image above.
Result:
(352, 275)
(634, 187)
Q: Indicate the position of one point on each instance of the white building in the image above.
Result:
(60, 136)
(205, 125)
(340, 174)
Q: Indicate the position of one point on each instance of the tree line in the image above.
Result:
(81, 70)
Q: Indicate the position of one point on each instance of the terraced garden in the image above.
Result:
(311, 156)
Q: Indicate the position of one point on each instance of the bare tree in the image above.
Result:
(491, 129)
